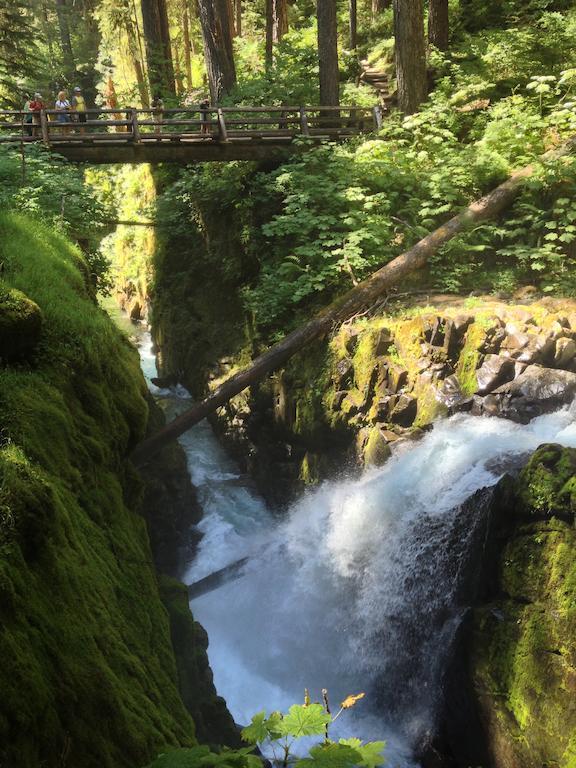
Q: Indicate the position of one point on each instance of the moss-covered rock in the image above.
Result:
(88, 674)
(20, 323)
(521, 652)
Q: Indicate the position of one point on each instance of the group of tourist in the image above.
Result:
(68, 110)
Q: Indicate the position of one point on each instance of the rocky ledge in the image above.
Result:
(381, 380)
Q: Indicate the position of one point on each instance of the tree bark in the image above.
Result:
(65, 38)
(360, 297)
(276, 26)
(438, 24)
(328, 53)
(353, 23)
(187, 46)
(238, 11)
(158, 49)
(218, 49)
(378, 6)
(410, 54)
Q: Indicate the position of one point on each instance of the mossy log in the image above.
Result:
(355, 300)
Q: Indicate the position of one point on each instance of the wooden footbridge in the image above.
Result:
(186, 135)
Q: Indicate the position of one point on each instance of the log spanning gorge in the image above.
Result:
(364, 585)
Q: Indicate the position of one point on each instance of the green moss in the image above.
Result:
(524, 649)
(88, 669)
(469, 358)
(548, 483)
(309, 469)
(376, 451)
(20, 323)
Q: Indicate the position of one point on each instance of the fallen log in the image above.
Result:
(361, 296)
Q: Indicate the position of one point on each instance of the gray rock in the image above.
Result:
(539, 349)
(384, 341)
(397, 378)
(344, 373)
(404, 412)
(494, 371)
(536, 391)
(564, 351)
(449, 392)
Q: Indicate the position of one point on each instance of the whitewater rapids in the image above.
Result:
(357, 590)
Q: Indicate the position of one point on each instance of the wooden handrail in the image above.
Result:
(122, 125)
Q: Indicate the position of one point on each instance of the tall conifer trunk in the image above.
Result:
(378, 6)
(158, 50)
(438, 24)
(218, 50)
(65, 38)
(410, 54)
(353, 23)
(238, 11)
(328, 53)
(276, 25)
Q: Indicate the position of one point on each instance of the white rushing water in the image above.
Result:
(358, 589)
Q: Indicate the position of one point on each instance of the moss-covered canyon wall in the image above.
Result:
(89, 675)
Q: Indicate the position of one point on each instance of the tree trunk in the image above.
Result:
(353, 16)
(328, 53)
(62, 12)
(276, 26)
(410, 54)
(378, 6)
(158, 50)
(187, 46)
(438, 24)
(362, 296)
(238, 10)
(218, 50)
(232, 18)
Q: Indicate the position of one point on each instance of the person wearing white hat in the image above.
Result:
(78, 107)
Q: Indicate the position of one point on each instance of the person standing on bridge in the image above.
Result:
(27, 122)
(78, 105)
(204, 116)
(36, 107)
(63, 107)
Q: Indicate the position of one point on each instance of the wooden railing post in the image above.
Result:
(305, 130)
(44, 127)
(135, 127)
(222, 126)
(377, 112)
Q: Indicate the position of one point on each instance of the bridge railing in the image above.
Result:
(223, 124)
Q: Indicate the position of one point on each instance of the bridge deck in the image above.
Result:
(186, 134)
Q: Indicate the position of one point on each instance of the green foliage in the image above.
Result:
(48, 188)
(279, 732)
(203, 757)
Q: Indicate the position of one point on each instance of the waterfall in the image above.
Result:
(359, 588)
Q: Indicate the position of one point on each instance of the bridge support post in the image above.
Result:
(305, 130)
(135, 126)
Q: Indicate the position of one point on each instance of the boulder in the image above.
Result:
(404, 412)
(536, 391)
(376, 451)
(343, 373)
(383, 341)
(397, 378)
(20, 324)
(564, 352)
(493, 372)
